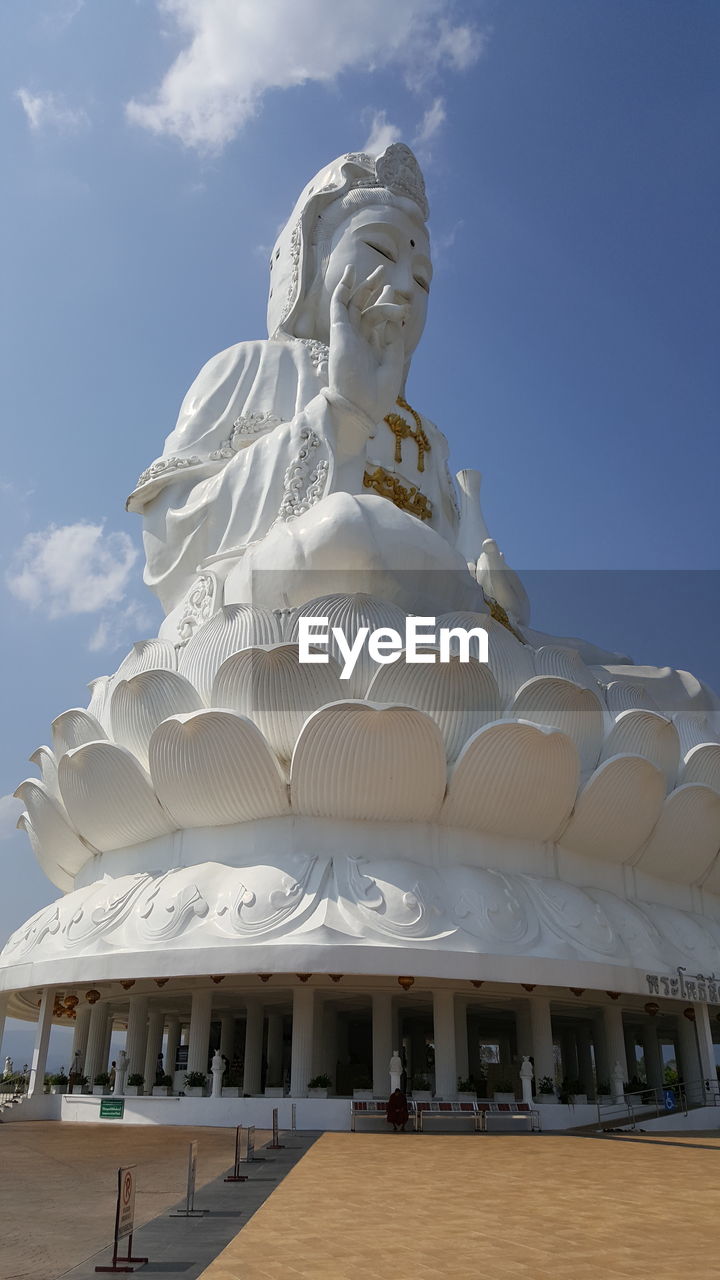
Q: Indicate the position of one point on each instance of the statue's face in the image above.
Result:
(386, 236)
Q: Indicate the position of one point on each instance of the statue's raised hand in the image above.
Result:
(367, 352)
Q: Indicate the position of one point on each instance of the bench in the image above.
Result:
(374, 1109)
(504, 1115)
(437, 1110)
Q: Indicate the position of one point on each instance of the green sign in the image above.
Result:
(112, 1108)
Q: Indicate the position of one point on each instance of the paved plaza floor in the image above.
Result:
(367, 1206)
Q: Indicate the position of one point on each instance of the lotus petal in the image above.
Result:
(46, 862)
(277, 691)
(73, 729)
(141, 703)
(60, 845)
(702, 765)
(616, 810)
(510, 662)
(109, 797)
(45, 760)
(624, 696)
(563, 705)
(147, 655)
(687, 835)
(695, 730)
(459, 696)
(213, 768)
(361, 761)
(646, 734)
(556, 660)
(514, 779)
(349, 613)
(99, 704)
(234, 627)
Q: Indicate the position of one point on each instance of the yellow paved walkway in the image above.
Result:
(487, 1207)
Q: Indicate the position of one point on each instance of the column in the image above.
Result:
(614, 1033)
(523, 1031)
(274, 1049)
(382, 1046)
(136, 1038)
(651, 1052)
(253, 1046)
(95, 1062)
(444, 1029)
(105, 1055)
(543, 1052)
(4, 1000)
(42, 1040)
(171, 1047)
(689, 1065)
(474, 1059)
(329, 1056)
(302, 1040)
(80, 1035)
(585, 1062)
(154, 1045)
(199, 1041)
(630, 1051)
(227, 1036)
(462, 1056)
(706, 1047)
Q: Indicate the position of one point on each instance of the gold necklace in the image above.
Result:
(402, 430)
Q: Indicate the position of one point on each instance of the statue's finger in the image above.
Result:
(341, 295)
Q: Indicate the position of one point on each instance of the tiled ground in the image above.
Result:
(487, 1207)
(58, 1184)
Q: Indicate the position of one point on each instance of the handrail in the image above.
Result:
(642, 1102)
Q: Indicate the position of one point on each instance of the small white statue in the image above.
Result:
(217, 1066)
(8, 1068)
(396, 1067)
(121, 1072)
(526, 1079)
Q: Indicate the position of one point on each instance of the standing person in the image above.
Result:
(397, 1111)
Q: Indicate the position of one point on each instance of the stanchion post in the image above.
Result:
(275, 1145)
(236, 1175)
(190, 1211)
(293, 1117)
(124, 1222)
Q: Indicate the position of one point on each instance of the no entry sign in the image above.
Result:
(126, 1215)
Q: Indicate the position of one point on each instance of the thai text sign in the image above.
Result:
(126, 1201)
(112, 1108)
(695, 987)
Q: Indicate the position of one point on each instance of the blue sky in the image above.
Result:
(151, 150)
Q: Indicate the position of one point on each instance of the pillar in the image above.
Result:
(474, 1059)
(382, 1046)
(42, 1040)
(462, 1056)
(80, 1036)
(651, 1053)
(444, 1029)
(523, 1031)
(171, 1047)
(706, 1047)
(543, 1051)
(254, 1019)
(585, 1062)
(328, 1059)
(689, 1069)
(630, 1051)
(199, 1041)
(615, 1042)
(274, 1049)
(105, 1055)
(136, 1039)
(154, 1045)
(95, 1062)
(4, 999)
(227, 1036)
(302, 1040)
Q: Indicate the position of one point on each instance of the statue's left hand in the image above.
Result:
(367, 354)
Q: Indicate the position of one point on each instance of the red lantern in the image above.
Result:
(689, 1013)
(652, 1008)
(335, 977)
(406, 983)
(92, 997)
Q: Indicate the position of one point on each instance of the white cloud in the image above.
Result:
(77, 568)
(382, 133)
(236, 50)
(118, 627)
(431, 123)
(49, 111)
(10, 810)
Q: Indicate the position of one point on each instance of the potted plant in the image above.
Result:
(546, 1090)
(233, 1087)
(101, 1083)
(58, 1083)
(134, 1084)
(195, 1082)
(603, 1091)
(163, 1090)
(81, 1084)
(420, 1086)
(467, 1091)
(504, 1090)
(318, 1086)
(570, 1092)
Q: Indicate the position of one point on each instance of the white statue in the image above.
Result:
(217, 1067)
(526, 1079)
(396, 1068)
(301, 452)
(8, 1068)
(121, 1072)
(618, 1083)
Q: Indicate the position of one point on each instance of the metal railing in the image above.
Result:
(649, 1103)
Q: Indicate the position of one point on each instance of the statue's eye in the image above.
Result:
(424, 284)
(384, 253)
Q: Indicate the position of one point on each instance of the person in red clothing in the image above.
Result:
(397, 1111)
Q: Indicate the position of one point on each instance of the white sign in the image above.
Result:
(126, 1201)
